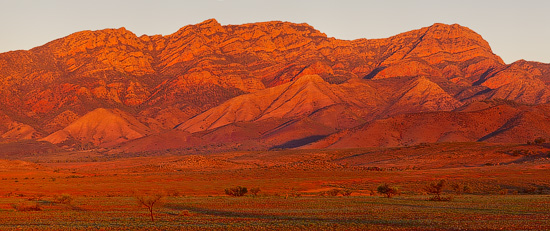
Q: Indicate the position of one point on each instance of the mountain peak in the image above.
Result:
(457, 32)
(309, 78)
(209, 23)
(207, 27)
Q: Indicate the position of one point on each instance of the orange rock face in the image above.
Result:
(207, 76)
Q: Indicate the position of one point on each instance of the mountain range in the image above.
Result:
(268, 85)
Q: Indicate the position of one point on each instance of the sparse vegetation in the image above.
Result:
(236, 191)
(64, 199)
(436, 189)
(205, 213)
(468, 189)
(457, 188)
(333, 192)
(293, 193)
(539, 140)
(289, 194)
(387, 190)
(150, 202)
(346, 192)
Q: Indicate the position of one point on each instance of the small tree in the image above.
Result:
(149, 202)
(436, 188)
(387, 190)
(236, 191)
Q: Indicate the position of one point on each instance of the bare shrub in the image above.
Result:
(236, 191)
(387, 190)
(149, 202)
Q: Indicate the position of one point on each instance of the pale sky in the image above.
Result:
(514, 29)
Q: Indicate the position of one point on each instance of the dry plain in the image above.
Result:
(507, 188)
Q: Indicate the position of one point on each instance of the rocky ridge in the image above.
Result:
(209, 80)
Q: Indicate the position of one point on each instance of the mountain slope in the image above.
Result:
(202, 65)
(291, 100)
(502, 123)
(209, 78)
(101, 127)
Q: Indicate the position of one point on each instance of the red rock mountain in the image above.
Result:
(271, 84)
(495, 122)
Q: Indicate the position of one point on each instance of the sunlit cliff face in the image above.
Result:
(268, 83)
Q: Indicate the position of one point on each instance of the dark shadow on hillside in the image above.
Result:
(484, 76)
(298, 142)
(374, 72)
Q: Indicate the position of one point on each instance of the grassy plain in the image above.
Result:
(466, 212)
(510, 187)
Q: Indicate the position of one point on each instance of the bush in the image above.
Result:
(63, 199)
(346, 192)
(435, 189)
(236, 191)
(387, 190)
(458, 188)
(333, 192)
(540, 140)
